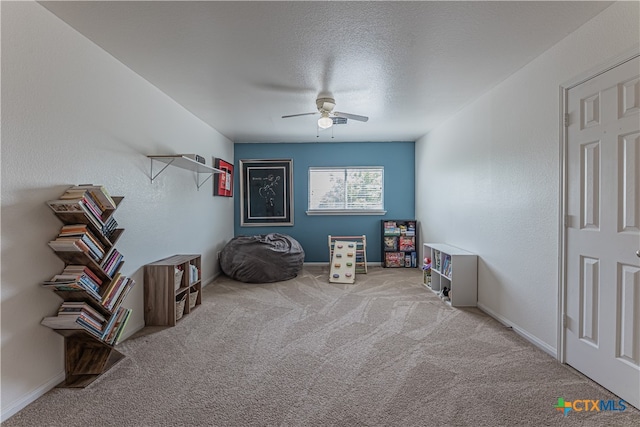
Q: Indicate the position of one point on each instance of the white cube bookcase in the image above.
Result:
(455, 269)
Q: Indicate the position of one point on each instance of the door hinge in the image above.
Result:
(564, 321)
(566, 120)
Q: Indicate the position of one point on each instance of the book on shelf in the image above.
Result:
(73, 244)
(81, 316)
(407, 243)
(84, 317)
(446, 266)
(390, 243)
(72, 284)
(61, 322)
(65, 206)
(394, 259)
(114, 332)
(92, 203)
(109, 227)
(436, 260)
(81, 279)
(89, 201)
(82, 269)
(121, 327)
(97, 192)
(108, 327)
(391, 228)
(92, 214)
(408, 229)
(112, 262)
(82, 232)
(68, 245)
(193, 274)
(117, 291)
(81, 308)
(119, 299)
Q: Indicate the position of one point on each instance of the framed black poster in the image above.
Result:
(267, 192)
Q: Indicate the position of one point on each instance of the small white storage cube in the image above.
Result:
(455, 269)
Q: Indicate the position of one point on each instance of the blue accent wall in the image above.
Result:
(398, 159)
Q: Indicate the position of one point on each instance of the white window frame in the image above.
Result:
(316, 211)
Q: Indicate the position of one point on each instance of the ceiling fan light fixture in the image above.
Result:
(325, 122)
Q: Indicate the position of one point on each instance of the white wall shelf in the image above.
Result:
(455, 269)
(183, 162)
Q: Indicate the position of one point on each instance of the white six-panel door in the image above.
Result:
(602, 332)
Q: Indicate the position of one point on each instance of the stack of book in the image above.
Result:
(92, 200)
(114, 329)
(77, 278)
(391, 228)
(110, 226)
(408, 229)
(112, 261)
(116, 291)
(194, 274)
(446, 266)
(436, 260)
(80, 315)
(78, 237)
(77, 315)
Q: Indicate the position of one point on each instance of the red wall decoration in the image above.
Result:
(223, 182)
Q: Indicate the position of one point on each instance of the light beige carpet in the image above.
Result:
(382, 352)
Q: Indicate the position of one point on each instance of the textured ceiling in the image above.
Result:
(240, 66)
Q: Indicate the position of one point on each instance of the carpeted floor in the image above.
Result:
(382, 352)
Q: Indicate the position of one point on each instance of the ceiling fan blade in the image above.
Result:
(351, 116)
(297, 115)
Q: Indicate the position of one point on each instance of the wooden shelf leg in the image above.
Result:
(86, 359)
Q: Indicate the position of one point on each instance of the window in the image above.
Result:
(352, 190)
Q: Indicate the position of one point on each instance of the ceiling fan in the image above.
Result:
(325, 108)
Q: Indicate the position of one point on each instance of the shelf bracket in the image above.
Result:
(199, 184)
(161, 170)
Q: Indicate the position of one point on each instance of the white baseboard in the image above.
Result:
(31, 397)
(208, 281)
(524, 334)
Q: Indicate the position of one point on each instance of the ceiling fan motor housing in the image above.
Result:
(325, 104)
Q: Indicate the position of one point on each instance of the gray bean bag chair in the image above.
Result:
(263, 258)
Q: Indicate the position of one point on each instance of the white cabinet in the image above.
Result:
(455, 271)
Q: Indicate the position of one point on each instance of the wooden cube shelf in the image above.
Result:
(162, 292)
